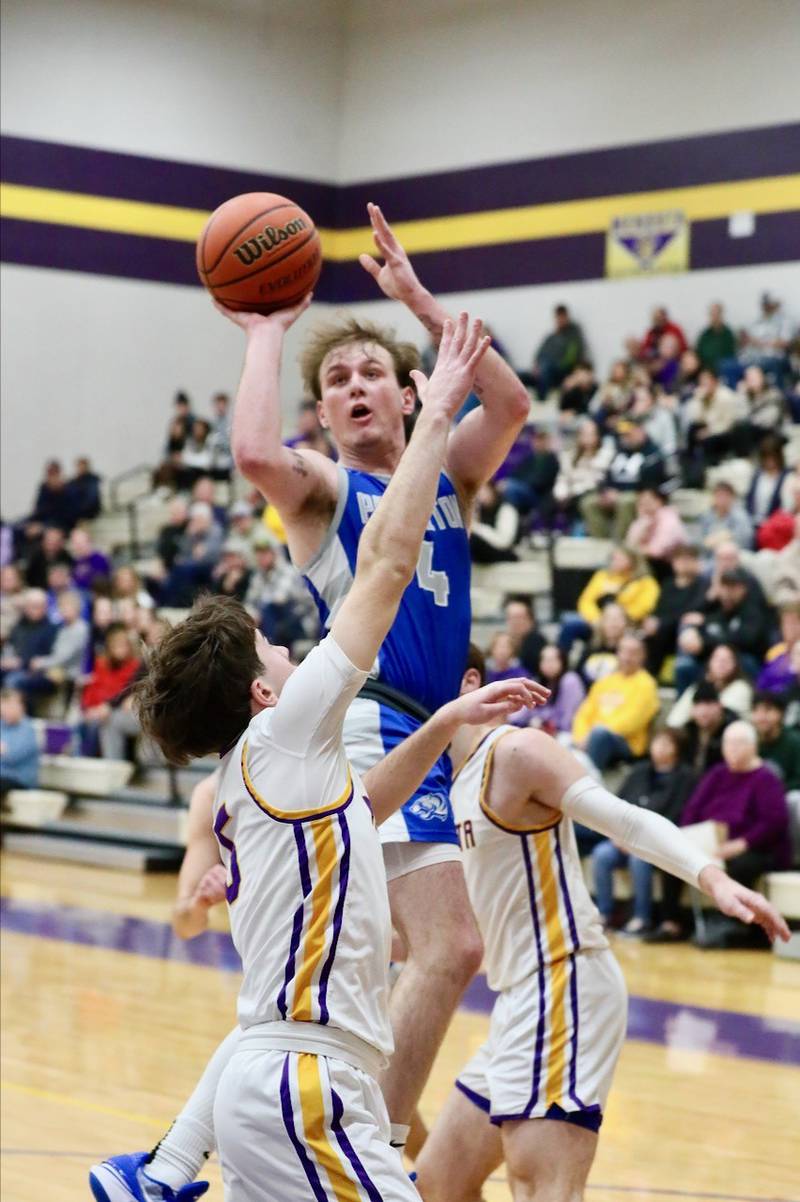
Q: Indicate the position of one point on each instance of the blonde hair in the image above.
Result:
(344, 331)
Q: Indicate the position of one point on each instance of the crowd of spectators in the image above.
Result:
(706, 606)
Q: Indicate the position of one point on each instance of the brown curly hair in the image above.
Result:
(343, 331)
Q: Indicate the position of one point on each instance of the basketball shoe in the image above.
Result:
(124, 1179)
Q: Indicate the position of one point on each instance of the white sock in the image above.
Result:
(178, 1157)
(398, 1135)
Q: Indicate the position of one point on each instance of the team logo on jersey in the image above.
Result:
(432, 806)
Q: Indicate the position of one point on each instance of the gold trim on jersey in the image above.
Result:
(487, 809)
(294, 815)
(312, 1108)
(557, 963)
(326, 853)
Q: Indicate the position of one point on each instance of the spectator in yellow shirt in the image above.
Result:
(625, 581)
(613, 722)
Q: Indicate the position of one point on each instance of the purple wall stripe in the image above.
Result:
(156, 181)
(672, 163)
(320, 1194)
(650, 1019)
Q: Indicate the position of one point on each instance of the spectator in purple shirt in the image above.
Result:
(778, 674)
(749, 798)
(502, 663)
(567, 691)
(89, 564)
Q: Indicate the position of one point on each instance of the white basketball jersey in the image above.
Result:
(307, 894)
(525, 885)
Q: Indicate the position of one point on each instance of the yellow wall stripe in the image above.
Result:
(773, 194)
(327, 857)
(312, 1105)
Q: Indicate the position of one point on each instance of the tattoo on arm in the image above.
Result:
(433, 327)
(299, 464)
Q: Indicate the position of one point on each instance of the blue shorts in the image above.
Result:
(371, 731)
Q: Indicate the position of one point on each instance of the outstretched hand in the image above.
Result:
(395, 276)
(281, 319)
(462, 347)
(499, 700)
(737, 901)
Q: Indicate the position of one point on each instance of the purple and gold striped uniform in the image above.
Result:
(559, 1021)
(298, 1111)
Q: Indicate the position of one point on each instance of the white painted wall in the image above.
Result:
(344, 91)
(437, 84)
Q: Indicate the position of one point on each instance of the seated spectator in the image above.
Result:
(171, 533)
(55, 504)
(51, 549)
(780, 570)
(243, 528)
(748, 798)
(501, 662)
(658, 420)
(558, 353)
(726, 520)
(533, 478)
(581, 469)
(182, 410)
(734, 619)
(765, 404)
(33, 635)
(724, 671)
(777, 675)
(688, 375)
(88, 564)
(766, 487)
(11, 595)
(112, 675)
(495, 527)
(702, 734)
(84, 489)
(121, 724)
(65, 662)
(637, 463)
(613, 722)
(126, 585)
(198, 553)
(167, 474)
(664, 368)
(521, 626)
(309, 433)
(613, 397)
(662, 784)
(778, 745)
(567, 691)
(600, 655)
(728, 558)
(660, 325)
(277, 596)
(197, 457)
(767, 341)
(657, 530)
(709, 417)
(204, 490)
(101, 619)
(626, 581)
(19, 750)
(717, 342)
(219, 440)
(231, 576)
(681, 592)
(577, 391)
(59, 581)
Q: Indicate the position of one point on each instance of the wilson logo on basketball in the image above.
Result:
(254, 248)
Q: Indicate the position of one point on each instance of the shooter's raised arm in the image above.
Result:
(390, 545)
(483, 439)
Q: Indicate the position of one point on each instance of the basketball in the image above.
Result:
(259, 252)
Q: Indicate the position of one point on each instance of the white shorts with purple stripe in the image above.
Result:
(553, 1044)
(293, 1125)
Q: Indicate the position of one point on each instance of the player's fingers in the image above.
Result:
(369, 264)
(420, 382)
(446, 339)
(768, 917)
(479, 352)
(473, 338)
(460, 333)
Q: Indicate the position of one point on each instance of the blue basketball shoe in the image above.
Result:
(124, 1179)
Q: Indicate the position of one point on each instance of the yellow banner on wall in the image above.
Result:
(647, 244)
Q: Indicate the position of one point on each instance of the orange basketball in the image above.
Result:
(259, 252)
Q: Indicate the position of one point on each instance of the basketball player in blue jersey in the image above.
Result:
(360, 376)
(534, 1093)
(298, 1110)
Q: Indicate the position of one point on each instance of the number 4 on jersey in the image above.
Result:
(432, 581)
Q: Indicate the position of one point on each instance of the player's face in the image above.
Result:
(277, 665)
(362, 402)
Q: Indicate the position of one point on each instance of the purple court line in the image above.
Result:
(692, 1028)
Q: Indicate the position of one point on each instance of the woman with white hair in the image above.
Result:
(748, 798)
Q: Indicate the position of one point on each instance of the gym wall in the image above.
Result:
(440, 109)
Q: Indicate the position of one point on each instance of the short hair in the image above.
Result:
(775, 701)
(684, 550)
(345, 331)
(562, 310)
(477, 661)
(519, 599)
(195, 696)
(7, 693)
(725, 485)
(669, 732)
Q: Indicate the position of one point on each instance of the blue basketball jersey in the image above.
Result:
(424, 653)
